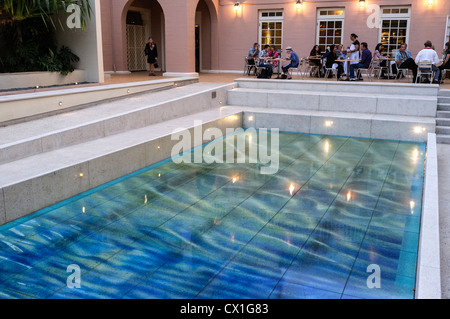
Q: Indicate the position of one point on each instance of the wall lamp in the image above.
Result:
(299, 4)
(362, 3)
(237, 6)
(430, 2)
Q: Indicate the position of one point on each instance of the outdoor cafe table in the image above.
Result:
(389, 61)
(348, 65)
(279, 64)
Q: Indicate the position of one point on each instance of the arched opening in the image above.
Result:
(143, 18)
(205, 36)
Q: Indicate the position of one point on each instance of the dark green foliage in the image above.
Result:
(29, 45)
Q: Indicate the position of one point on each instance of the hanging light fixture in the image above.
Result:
(362, 3)
(237, 6)
(299, 4)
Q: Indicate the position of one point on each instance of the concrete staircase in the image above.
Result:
(443, 117)
(50, 159)
(395, 111)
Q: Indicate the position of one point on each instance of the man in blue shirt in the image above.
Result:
(293, 57)
(403, 60)
(366, 59)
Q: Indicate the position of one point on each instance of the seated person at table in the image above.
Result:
(364, 63)
(252, 56)
(378, 54)
(263, 63)
(332, 63)
(446, 64)
(295, 60)
(315, 57)
(429, 55)
(403, 60)
(274, 54)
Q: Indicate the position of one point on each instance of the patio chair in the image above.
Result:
(248, 67)
(297, 70)
(329, 71)
(376, 67)
(369, 71)
(312, 69)
(425, 68)
(444, 74)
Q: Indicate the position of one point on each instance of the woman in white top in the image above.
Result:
(352, 52)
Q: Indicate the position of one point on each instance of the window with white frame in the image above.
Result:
(330, 27)
(447, 30)
(271, 28)
(394, 28)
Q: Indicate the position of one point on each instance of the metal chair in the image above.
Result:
(444, 74)
(376, 67)
(368, 71)
(248, 67)
(298, 70)
(312, 69)
(329, 71)
(425, 68)
(403, 73)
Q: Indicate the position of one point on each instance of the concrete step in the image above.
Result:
(340, 87)
(376, 126)
(16, 108)
(443, 114)
(38, 181)
(356, 101)
(105, 119)
(443, 107)
(442, 122)
(442, 139)
(443, 130)
(443, 100)
(444, 92)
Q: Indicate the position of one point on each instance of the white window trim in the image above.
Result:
(270, 19)
(395, 16)
(330, 18)
(447, 31)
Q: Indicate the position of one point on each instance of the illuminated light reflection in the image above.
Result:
(419, 129)
(145, 199)
(349, 196)
(327, 147)
(329, 123)
(415, 155)
(83, 209)
(81, 174)
(235, 179)
(291, 189)
(251, 118)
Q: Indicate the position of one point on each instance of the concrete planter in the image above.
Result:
(33, 79)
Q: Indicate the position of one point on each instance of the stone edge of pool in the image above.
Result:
(428, 273)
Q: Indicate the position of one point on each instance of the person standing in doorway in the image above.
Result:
(151, 52)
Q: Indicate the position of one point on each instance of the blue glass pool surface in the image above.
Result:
(336, 206)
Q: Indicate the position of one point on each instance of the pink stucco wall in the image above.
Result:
(228, 35)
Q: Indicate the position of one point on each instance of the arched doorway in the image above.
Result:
(205, 36)
(143, 18)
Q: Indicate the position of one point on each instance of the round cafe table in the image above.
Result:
(389, 61)
(348, 65)
(279, 64)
